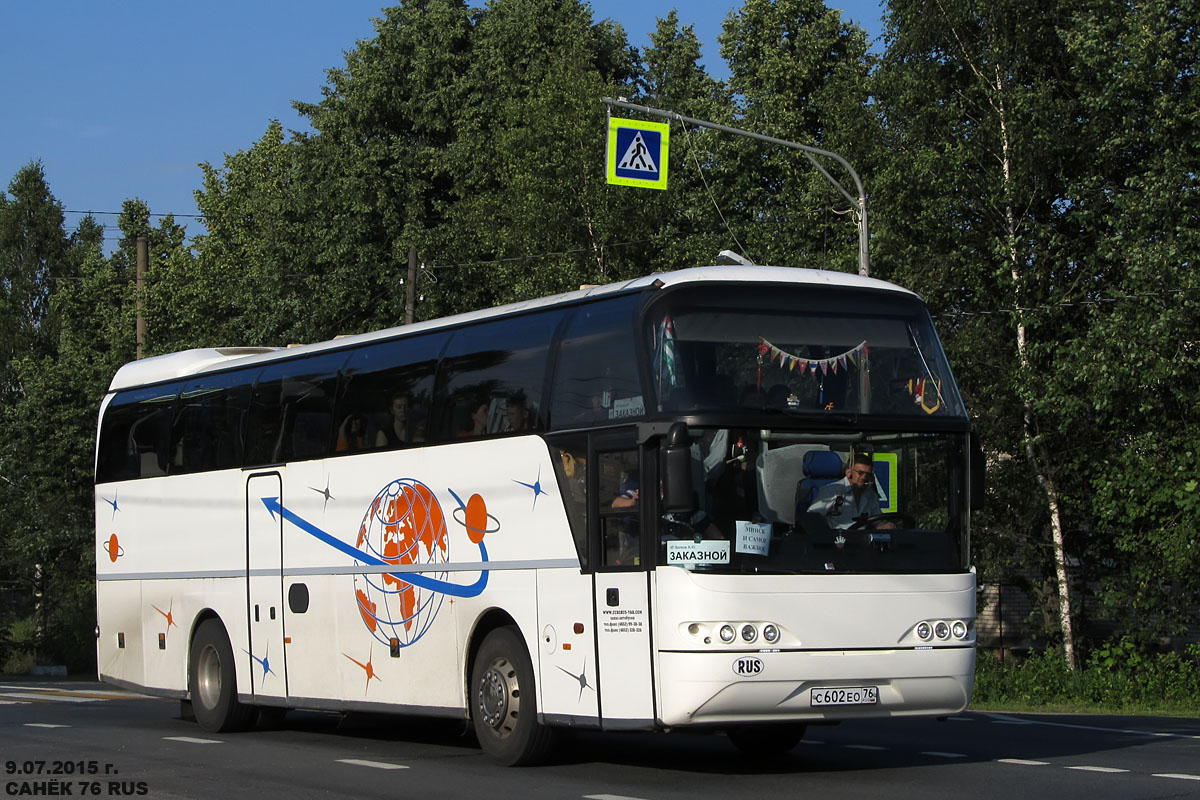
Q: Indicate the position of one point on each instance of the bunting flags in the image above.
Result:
(823, 366)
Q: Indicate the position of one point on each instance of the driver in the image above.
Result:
(853, 498)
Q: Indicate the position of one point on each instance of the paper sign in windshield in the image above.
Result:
(689, 553)
(753, 537)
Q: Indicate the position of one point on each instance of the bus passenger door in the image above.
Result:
(622, 597)
(264, 579)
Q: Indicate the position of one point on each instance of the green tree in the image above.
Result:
(381, 158)
(1134, 363)
(798, 73)
(528, 159)
(33, 255)
(973, 95)
(48, 417)
(1039, 173)
(685, 225)
(256, 265)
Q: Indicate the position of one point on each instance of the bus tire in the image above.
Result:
(212, 682)
(503, 702)
(766, 741)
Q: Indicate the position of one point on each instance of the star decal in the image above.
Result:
(112, 503)
(263, 662)
(324, 493)
(368, 668)
(167, 614)
(581, 677)
(536, 486)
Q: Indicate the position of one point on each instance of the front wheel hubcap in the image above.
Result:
(499, 700)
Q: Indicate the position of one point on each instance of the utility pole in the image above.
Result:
(410, 294)
(143, 259)
(859, 203)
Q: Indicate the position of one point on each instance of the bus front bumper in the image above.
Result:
(718, 688)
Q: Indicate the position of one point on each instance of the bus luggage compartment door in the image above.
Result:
(264, 564)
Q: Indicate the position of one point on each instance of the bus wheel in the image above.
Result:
(502, 701)
(212, 682)
(766, 741)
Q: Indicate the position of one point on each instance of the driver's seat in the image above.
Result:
(821, 468)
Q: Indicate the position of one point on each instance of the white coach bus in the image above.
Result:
(729, 498)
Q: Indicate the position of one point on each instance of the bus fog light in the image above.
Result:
(749, 633)
(693, 629)
(941, 630)
(924, 631)
(770, 633)
(959, 629)
(727, 633)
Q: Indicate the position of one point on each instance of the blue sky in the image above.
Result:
(121, 100)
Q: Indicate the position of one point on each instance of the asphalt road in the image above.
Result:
(86, 739)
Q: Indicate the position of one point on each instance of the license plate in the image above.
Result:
(846, 696)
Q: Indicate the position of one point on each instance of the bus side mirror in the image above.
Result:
(978, 473)
(678, 496)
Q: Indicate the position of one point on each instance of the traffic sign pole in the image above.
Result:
(859, 203)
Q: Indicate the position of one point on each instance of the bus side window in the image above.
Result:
(135, 435)
(208, 431)
(291, 415)
(502, 364)
(389, 386)
(570, 457)
(596, 372)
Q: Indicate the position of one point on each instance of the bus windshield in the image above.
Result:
(807, 350)
(783, 501)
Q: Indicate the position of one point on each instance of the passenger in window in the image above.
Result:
(627, 497)
(476, 424)
(517, 416)
(352, 434)
(395, 432)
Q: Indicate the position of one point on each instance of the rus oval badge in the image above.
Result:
(748, 666)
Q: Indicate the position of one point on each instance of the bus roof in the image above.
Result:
(172, 366)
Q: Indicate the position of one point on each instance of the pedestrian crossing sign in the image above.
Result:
(637, 153)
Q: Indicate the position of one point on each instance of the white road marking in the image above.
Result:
(192, 740)
(1003, 720)
(1024, 762)
(358, 762)
(14, 702)
(1180, 775)
(106, 692)
(943, 755)
(44, 725)
(47, 698)
(1098, 769)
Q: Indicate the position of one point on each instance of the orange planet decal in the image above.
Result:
(113, 548)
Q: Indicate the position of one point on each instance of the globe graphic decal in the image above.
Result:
(403, 525)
